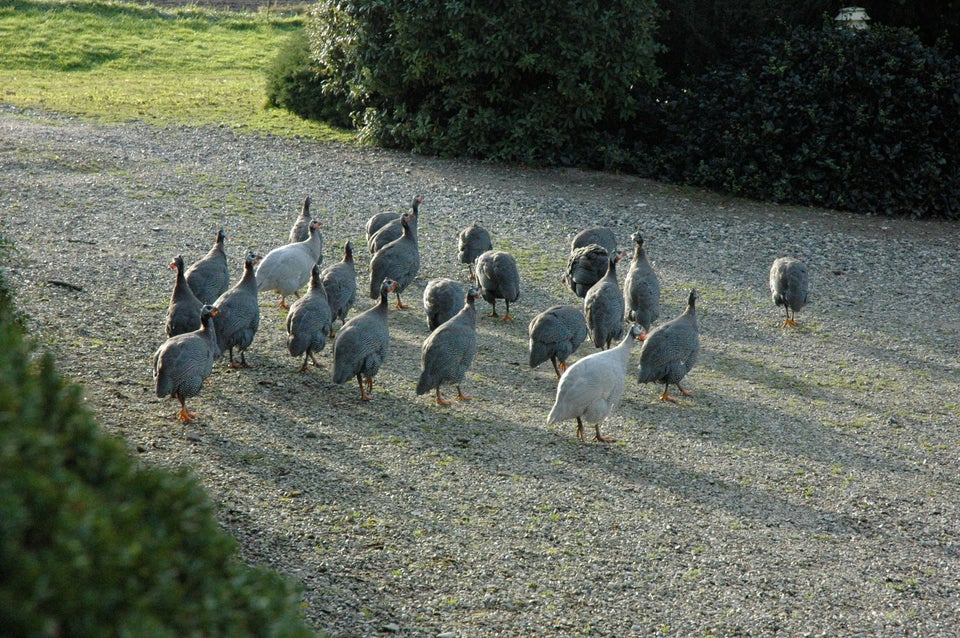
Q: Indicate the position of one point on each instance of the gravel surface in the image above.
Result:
(808, 487)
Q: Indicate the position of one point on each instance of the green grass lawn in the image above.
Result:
(117, 62)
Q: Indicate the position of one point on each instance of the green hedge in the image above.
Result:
(862, 121)
(543, 81)
(91, 545)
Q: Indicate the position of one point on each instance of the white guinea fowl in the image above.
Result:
(287, 269)
(592, 387)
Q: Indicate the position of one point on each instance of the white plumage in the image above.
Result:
(592, 387)
(287, 269)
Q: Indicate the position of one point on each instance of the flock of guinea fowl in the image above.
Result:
(207, 317)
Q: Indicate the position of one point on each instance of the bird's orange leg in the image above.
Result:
(665, 396)
(493, 313)
(558, 366)
(400, 304)
(684, 391)
(283, 302)
(461, 396)
(185, 415)
(580, 430)
(440, 399)
(601, 438)
(364, 396)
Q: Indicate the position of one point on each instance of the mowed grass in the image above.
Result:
(117, 62)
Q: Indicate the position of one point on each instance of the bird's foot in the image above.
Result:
(600, 438)
(789, 323)
(442, 401)
(463, 397)
(667, 397)
(303, 368)
(283, 303)
(580, 436)
(507, 317)
(364, 396)
(401, 305)
(186, 415)
(493, 314)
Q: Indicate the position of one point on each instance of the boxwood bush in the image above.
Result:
(863, 121)
(91, 545)
(538, 81)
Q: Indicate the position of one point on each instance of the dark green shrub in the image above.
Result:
(294, 84)
(862, 121)
(92, 546)
(539, 81)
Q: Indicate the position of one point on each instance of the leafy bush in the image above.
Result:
(92, 546)
(540, 81)
(862, 121)
(295, 84)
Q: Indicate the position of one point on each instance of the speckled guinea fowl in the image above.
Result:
(603, 307)
(239, 316)
(286, 269)
(555, 334)
(361, 344)
(448, 352)
(592, 387)
(641, 288)
(300, 231)
(442, 299)
(340, 282)
(789, 284)
(600, 235)
(586, 265)
(399, 260)
(671, 350)
(183, 312)
(209, 277)
(378, 221)
(309, 322)
(498, 278)
(184, 361)
(473, 241)
(393, 229)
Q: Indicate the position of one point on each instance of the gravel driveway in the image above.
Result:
(808, 487)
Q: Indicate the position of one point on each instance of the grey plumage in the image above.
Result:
(473, 241)
(239, 316)
(448, 352)
(309, 322)
(183, 312)
(399, 260)
(586, 265)
(442, 299)
(498, 278)
(592, 387)
(600, 235)
(555, 334)
(671, 350)
(641, 287)
(603, 307)
(361, 344)
(789, 286)
(376, 222)
(393, 228)
(184, 361)
(340, 282)
(209, 277)
(286, 269)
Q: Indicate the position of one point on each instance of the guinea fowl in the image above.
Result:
(449, 350)
(399, 260)
(210, 276)
(592, 387)
(309, 322)
(789, 282)
(239, 316)
(473, 241)
(300, 231)
(555, 334)
(498, 278)
(393, 229)
(585, 267)
(184, 361)
(340, 282)
(286, 269)
(361, 344)
(603, 307)
(378, 221)
(641, 288)
(442, 299)
(183, 313)
(671, 350)
(600, 235)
